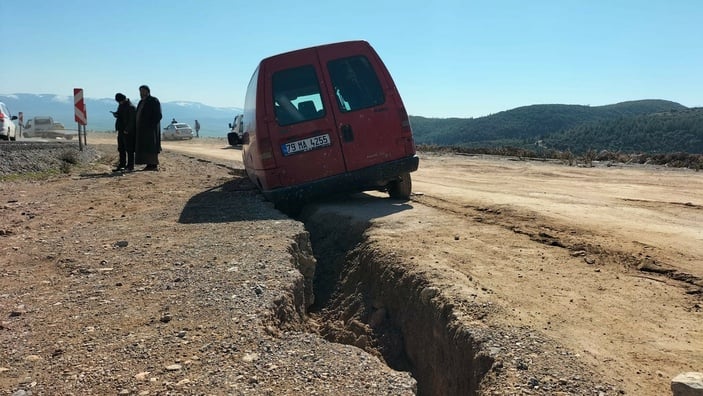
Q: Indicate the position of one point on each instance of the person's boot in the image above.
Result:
(121, 165)
(130, 162)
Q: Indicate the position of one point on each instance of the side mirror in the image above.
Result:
(13, 117)
(230, 125)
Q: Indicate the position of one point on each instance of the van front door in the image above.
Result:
(366, 113)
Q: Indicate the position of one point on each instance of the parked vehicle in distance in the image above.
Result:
(324, 120)
(177, 131)
(45, 127)
(236, 132)
(8, 129)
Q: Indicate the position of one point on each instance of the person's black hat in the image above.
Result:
(120, 97)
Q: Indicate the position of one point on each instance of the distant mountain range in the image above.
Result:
(213, 120)
(652, 126)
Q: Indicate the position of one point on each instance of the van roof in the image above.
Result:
(337, 44)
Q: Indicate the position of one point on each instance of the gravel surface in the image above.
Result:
(181, 281)
(185, 281)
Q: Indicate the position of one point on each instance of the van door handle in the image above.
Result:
(347, 134)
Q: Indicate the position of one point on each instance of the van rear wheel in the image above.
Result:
(401, 188)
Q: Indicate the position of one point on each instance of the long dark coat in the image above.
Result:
(126, 126)
(148, 133)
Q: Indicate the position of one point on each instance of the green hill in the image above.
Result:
(665, 132)
(572, 127)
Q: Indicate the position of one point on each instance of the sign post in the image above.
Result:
(81, 116)
(20, 117)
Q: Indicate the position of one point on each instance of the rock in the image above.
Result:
(428, 293)
(250, 357)
(174, 367)
(687, 384)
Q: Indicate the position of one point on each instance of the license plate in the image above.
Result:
(307, 144)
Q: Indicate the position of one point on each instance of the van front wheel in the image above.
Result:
(401, 188)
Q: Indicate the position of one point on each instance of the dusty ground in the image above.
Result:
(178, 282)
(607, 260)
(598, 269)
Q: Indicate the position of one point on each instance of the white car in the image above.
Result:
(45, 127)
(236, 133)
(178, 130)
(8, 129)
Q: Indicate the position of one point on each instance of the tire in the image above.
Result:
(233, 139)
(401, 188)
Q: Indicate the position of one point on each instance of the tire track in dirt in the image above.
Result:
(578, 241)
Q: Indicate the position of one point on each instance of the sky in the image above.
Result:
(462, 58)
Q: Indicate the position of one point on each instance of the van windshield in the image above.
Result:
(355, 83)
(296, 95)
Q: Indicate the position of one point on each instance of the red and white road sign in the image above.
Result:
(81, 115)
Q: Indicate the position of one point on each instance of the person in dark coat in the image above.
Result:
(125, 125)
(148, 142)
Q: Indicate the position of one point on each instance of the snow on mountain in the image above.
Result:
(213, 120)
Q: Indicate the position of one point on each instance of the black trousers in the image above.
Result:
(125, 146)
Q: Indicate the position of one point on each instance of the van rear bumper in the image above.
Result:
(371, 178)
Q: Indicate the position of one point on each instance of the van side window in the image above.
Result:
(296, 95)
(355, 83)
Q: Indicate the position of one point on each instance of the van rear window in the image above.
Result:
(296, 95)
(355, 83)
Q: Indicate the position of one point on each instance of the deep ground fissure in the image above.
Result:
(368, 298)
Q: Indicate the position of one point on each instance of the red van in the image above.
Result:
(324, 120)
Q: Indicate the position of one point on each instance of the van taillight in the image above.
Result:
(2, 116)
(266, 152)
(405, 128)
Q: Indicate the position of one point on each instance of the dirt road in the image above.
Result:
(608, 260)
